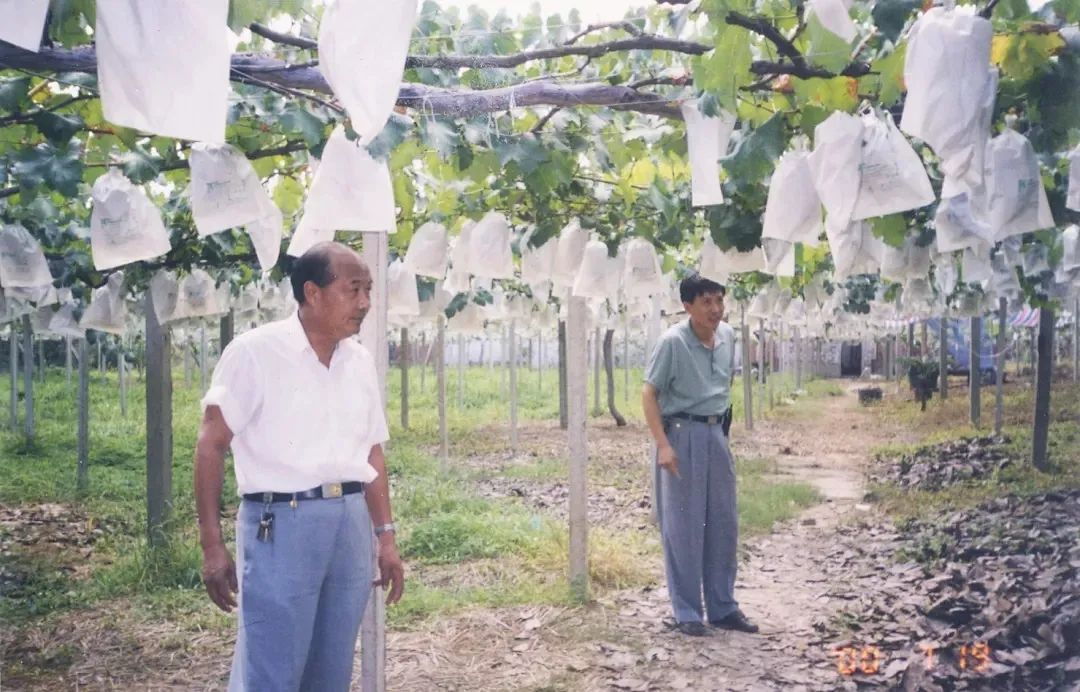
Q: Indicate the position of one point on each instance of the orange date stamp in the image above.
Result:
(867, 659)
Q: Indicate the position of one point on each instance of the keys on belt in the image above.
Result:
(265, 532)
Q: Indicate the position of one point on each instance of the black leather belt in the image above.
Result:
(324, 491)
(708, 420)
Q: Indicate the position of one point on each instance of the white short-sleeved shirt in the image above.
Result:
(297, 424)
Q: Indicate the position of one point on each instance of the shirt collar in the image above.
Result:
(294, 334)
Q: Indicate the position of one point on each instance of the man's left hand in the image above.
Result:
(391, 569)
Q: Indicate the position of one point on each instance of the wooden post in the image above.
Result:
(761, 370)
(204, 359)
(187, 360)
(564, 419)
(626, 361)
(225, 331)
(504, 364)
(373, 335)
(427, 357)
(540, 361)
(121, 374)
(1044, 372)
(748, 383)
(13, 375)
(943, 356)
(460, 371)
(999, 386)
(41, 360)
(82, 445)
(798, 360)
(403, 362)
(440, 383)
(512, 355)
(67, 360)
(577, 370)
(1076, 341)
(773, 367)
(159, 439)
(28, 377)
(597, 360)
(975, 372)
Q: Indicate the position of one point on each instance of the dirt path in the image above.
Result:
(618, 642)
(621, 641)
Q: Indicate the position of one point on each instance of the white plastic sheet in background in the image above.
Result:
(63, 322)
(362, 50)
(225, 190)
(594, 277)
(468, 320)
(490, 255)
(125, 226)
(537, 263)
(428, 251)
(642, 276)
(1015, 197)
(945, 276)
(107, 311)
(307, 235)
(976, 267)
(1070, 241)
(403, 301)
(711, 263)
(198, 296)
(164, 292)
(834, 166)
(793, 209)
(706, 143)
(779, 256)
(22, 22)
(1072, 198)
(949, 81)
(834, 16)
(163, 66)
(901, 264)
(266, 232)
(891, 175)
(568, 253)
(761, 307)
(958, 227)
(1035, 260)
(22, 261)
(350, 191)
(854, 249)
(1005, 281)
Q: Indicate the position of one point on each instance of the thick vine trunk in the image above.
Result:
(609, 368)
(1041, 434)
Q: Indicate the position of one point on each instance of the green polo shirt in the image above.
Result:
(688, 376)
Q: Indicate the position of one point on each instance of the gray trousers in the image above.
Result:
(699, 524)
(302, 595)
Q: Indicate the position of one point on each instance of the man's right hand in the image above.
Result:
(668, 460)
(219, 575)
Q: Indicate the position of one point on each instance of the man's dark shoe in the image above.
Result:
(735, 621)
(692, 629)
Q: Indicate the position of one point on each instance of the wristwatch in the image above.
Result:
(380, 530)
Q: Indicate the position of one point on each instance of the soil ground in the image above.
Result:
(617, 642)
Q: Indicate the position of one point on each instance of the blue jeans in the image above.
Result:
(699, 523)
(302, 595)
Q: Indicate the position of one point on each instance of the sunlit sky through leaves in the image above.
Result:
(591, 10)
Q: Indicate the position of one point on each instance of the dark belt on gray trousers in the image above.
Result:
(324, 491)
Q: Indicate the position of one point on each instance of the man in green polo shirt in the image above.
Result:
(687, 400)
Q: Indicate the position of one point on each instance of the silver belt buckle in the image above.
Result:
(713, 420)
(331, 490)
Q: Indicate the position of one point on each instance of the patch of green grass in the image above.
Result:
(763, 503)
(542, 469)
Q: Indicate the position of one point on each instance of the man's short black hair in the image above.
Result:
(313, 265)
(697, 285)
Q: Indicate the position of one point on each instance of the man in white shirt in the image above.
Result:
(298, 402)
